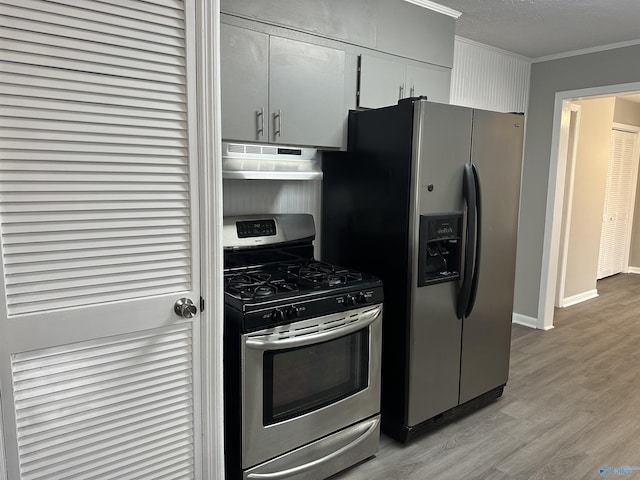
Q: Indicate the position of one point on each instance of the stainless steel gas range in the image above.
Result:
(302, 354)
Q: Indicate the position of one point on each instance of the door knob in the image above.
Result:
(185, 308)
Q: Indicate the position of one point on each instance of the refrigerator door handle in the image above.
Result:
(470, 198)
(477, 250)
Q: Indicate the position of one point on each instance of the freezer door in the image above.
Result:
(486, 338)
(442, 136)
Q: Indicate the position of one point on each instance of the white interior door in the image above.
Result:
(3, 463)
(99, 219)
(618, 204)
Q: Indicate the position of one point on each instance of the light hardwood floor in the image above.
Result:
(572, 405)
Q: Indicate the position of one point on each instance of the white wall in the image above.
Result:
(243, 197)
(489, 78)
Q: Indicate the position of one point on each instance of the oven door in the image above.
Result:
(308, 379)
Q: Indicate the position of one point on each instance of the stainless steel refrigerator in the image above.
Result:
(427, 198)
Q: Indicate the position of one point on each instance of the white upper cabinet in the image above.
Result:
(244, 64)
(430, 81)
(383, 82)
(289, 66)
(411, 31)
(280, 90)
(353, 21)
(306, 93)
(396, 27)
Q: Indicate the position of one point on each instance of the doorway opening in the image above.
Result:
(561, 198)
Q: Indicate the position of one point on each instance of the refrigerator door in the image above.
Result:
(442, 135)
(486, 339)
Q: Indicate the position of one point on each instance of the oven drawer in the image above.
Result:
(324, 457)
(308, 379)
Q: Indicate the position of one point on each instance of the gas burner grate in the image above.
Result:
(249, 286)
(241, 280)
(318, 273)
(265, 290)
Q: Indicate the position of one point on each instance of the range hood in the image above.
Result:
(271, 162)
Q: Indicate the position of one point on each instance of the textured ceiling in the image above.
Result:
(538, 28)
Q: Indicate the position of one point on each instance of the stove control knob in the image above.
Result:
(350, 300)
(361, 298)
(276, 315)
(291, 312)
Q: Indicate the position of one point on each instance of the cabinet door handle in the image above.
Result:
(401, 91)
(260, 121)
(411, 90)
(277, 117)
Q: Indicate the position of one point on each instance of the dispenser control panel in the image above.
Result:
(440, 248)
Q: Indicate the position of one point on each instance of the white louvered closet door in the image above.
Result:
(99, 223)
(618, 204)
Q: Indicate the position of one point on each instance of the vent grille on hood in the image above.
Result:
(251, 161)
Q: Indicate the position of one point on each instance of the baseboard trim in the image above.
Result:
(634, 269)
(579, 298)
(524, 320)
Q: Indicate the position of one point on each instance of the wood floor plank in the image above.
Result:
(571, 406)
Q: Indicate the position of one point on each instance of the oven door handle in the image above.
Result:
(364, 319)
(283, 474)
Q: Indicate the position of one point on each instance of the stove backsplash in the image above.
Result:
(246, 197)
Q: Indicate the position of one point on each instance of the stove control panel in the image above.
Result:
(353, 299)
(256, 318)
(288, 313)
(256, 228)
(249, 231)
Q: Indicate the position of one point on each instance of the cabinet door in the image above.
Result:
(433, 82)
(382, 82)
(306, 93)
(244, 68)
(354, 21)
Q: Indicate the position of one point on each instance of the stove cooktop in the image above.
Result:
(282, 279)
(271, 277)
(268, 295)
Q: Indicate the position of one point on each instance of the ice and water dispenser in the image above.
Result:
(440, 248)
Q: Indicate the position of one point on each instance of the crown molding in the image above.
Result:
(436, 7)
(584, 51)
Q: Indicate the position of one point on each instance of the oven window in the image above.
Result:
(300, 380)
